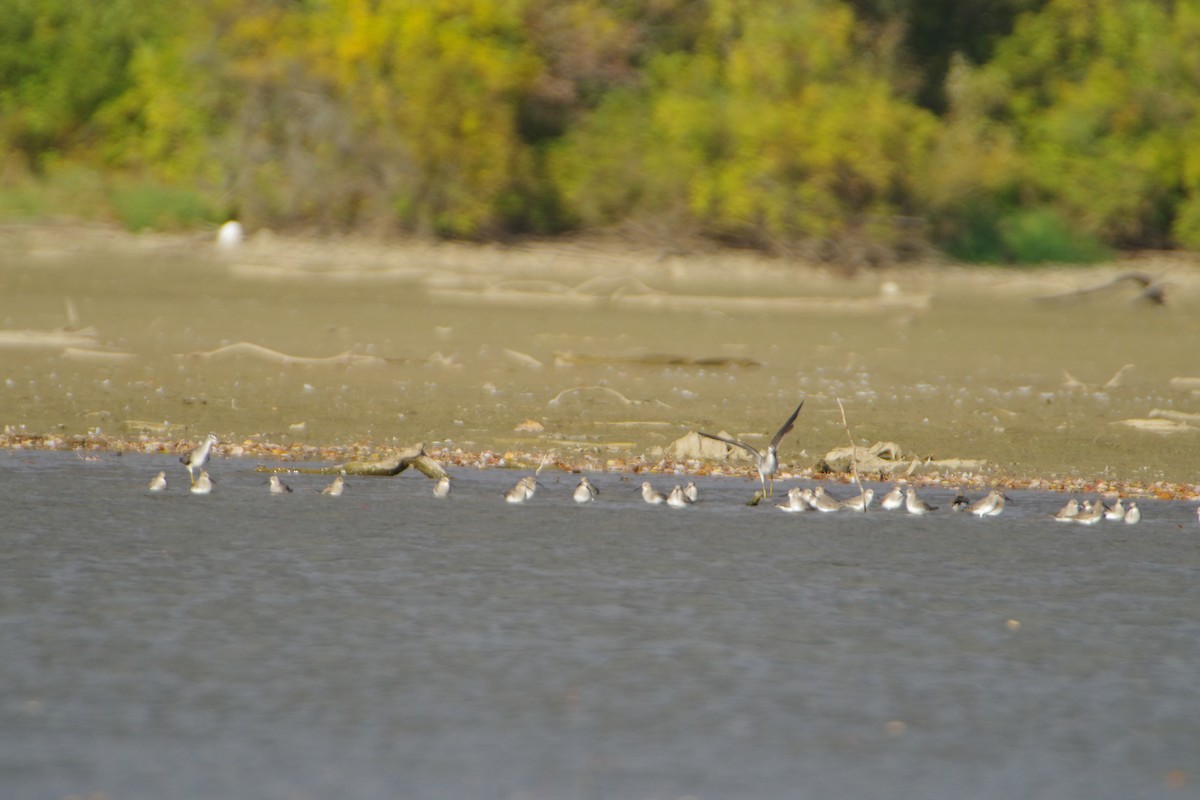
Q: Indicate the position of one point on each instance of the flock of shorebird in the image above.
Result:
(197, 458)
(766, 463)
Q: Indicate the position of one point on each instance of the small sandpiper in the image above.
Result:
(797, 501)
(158, 483)
(278, 486)
(585, 492)
(335, 488)
(960, 502)
(893, 499)
(691, 492)
(442, 487)
(202, 484)
(861, 502)
(524, 490)
(652, 495)
(1115, 512)
(1068, 512)
(914, 504)
(1133, 514)
(823, 501)
(677, 499)
(198, 456)
(768, 462)
(1091, 513)
(989, 506)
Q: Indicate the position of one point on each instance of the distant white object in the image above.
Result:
(230, 235)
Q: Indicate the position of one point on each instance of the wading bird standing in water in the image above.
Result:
(585, 492)
(198, 457)
(767, 462)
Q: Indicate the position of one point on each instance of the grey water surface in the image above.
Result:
(385, 644)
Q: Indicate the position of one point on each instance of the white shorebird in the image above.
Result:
(524, 490)
(1068, 512)
(1091, 513)
(202, 484)
(797, 501)
(230, 235)
(652, 495)
(335, 488)
(767, 462)
(860, 503)
(677, 499)
(989, 506)
(691, 492)
(1115, 512)
(585, 492)
(893, 499)
(197, 457)
(914, 504)
(1133, 514)
(823, 501)
(278, 486)
(442, 487)
(158, 483)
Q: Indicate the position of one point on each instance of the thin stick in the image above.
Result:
(853, 456)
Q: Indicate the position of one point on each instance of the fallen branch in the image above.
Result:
(275, 356)
(1151, 289)
(414, 457)
(853, 457)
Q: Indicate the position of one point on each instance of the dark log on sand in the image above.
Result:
(384, 468)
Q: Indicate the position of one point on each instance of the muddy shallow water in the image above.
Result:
(611, 351)
(387, 644)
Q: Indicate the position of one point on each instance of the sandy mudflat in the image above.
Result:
(596, 353)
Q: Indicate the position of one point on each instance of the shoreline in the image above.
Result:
(626, 464)
(461, 345)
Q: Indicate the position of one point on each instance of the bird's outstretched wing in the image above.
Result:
(787, 426)
(733, 442)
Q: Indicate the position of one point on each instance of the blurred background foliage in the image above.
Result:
(996, 130)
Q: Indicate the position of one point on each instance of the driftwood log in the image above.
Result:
(414, 457)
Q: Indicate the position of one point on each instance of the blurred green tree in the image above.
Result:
(1089, 109)
(782, 123)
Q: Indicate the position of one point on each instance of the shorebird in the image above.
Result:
(861, 502)
(525, 489)
(203, 484)
(914, 504)
(1091, 513)
(585, 492)
(960, 502)
(691, 492)
(442, 487)
(768, 462)
(158, 483)
(989, 506)
(893, 499)
(1133, 514)
(335, 488)
(797, 500)
(198, 456)
(677, 499)
(1115, 512)
(1068, 512)
(823, 501)
(652, 495)
(278, 486)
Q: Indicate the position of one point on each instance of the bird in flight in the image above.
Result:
(766, 462)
